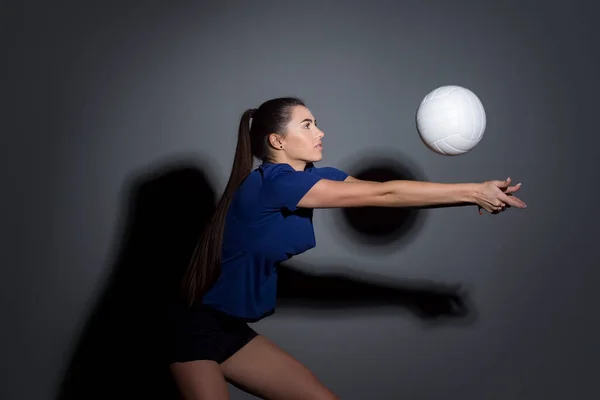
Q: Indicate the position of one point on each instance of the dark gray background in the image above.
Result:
(95, 95)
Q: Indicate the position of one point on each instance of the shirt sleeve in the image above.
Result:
(330, 173)
(286, 187)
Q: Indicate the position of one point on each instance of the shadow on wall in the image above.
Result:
(119, 354)
(326, 294)
(381, 229)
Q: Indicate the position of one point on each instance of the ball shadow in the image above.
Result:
(383, 229)
(120, 351)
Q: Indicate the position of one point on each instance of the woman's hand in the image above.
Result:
(496, 196)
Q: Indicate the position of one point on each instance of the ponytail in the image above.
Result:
(205, 265)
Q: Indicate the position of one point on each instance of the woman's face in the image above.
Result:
(302, 139)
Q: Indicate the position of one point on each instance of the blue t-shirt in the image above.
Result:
(264, 227)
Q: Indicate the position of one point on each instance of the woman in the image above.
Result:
(263, 218)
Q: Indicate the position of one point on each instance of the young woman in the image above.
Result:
(263, 218)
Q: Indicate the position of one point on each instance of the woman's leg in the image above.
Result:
(265, 370)
(200, 380)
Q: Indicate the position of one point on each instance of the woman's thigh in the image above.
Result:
(200, 380)
(265, 370)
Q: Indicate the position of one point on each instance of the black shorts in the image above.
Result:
(204, 333)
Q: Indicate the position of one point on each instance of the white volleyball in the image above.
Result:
(451, 120)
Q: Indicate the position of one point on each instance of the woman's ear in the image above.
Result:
(275, 141)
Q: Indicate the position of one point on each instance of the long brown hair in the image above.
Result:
(205, 265)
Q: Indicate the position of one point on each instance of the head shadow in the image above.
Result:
(119, 353)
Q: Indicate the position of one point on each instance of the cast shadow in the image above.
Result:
(381, 229)
(348, 294)
(120, 351)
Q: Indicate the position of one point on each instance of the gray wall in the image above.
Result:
(100, 95)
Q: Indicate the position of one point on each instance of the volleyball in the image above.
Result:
(451, 120)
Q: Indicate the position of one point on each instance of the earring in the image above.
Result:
(281, 147)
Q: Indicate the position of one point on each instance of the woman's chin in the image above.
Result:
(318, 156)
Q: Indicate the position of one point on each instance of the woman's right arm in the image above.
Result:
(489, 195)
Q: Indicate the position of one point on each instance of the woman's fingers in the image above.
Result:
(512, 201)
(502, 184)
(513, 189)
(499, 197)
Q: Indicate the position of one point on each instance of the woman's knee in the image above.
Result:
(200, 380)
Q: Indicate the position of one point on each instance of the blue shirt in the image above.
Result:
(264, 227)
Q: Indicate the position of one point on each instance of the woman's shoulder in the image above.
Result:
(270, 171)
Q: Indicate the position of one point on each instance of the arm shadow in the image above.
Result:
(346, 294)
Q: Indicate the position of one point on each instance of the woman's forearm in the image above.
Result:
(405, 193)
